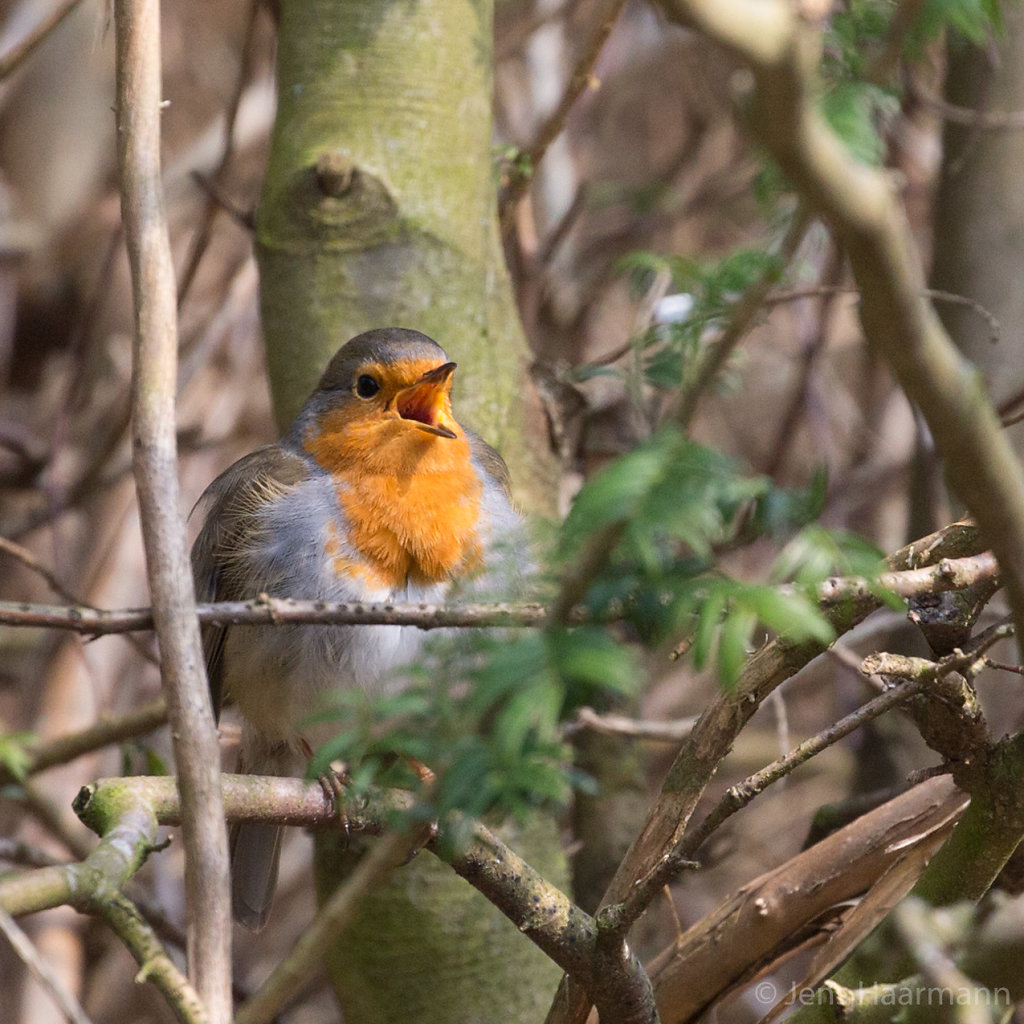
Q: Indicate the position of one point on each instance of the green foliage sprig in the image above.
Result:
(484, 709)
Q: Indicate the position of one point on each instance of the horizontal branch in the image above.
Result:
(93, 886)
(948, 574)
(613, 978)
(953, 547)
(274, 610)
(39, 756)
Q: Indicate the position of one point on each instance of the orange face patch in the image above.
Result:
(411, 498)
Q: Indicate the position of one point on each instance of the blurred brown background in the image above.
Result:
(652, 159)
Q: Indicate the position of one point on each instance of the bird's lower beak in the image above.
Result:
(426, 402)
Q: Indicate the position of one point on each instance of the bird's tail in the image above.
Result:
(256, 848)
(255, 852)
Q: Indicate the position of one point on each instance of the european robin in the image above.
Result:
(375, 493)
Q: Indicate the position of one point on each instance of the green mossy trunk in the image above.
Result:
(429, 949)
(378, 207)
(378, 210)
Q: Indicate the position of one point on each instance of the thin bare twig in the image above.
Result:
(737, 797)
(808, 359)
(580, 79)
(989, 120)
(17, 55)
(946, 574)
(995, 327)
(620, 725)
(101, 734)
(741, 317)
(153, 388)
(204, 229)
(1002, 666)
(269, 611)
(30, 561)
(41, 970)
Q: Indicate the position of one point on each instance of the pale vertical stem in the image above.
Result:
(163, 528)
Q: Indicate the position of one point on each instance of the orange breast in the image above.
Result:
(412, 500)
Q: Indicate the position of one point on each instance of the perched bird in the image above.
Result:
(375, 493)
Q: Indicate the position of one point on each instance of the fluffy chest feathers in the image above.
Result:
(411, 501)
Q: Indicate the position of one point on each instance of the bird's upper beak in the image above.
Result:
(426, 401)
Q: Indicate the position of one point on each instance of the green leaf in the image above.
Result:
(733, 643)
(853, 110)
(615, 493)
(15, 754)
(588, 658)
(708, 621)
(790, 615)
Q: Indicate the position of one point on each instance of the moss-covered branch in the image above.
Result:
(127, 812)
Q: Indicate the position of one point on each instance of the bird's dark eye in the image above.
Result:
(367, 386)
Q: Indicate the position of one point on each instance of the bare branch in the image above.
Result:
(17, 55)
(606, 970)
(93, 886)
(988, 120)
(274, 610)
(29, 560)
(620, 725)
(155, 456)
(947, 574)
(101, 734)
(41, 970)
(795, 903)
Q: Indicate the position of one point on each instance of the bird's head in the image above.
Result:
(386, 395)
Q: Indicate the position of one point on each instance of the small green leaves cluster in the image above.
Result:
(682, 507)
(669, 354)
(484, 708)
(483, 711)
(859, 96)
(972, 20)
(857, 108)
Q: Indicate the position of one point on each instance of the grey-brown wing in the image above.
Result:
(491, 462)
(230, 507)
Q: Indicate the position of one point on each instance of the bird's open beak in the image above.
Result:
(426, 402)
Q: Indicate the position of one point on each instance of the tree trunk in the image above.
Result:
(979, 209)
(378, 207)
(378, 210)
(429, 949)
